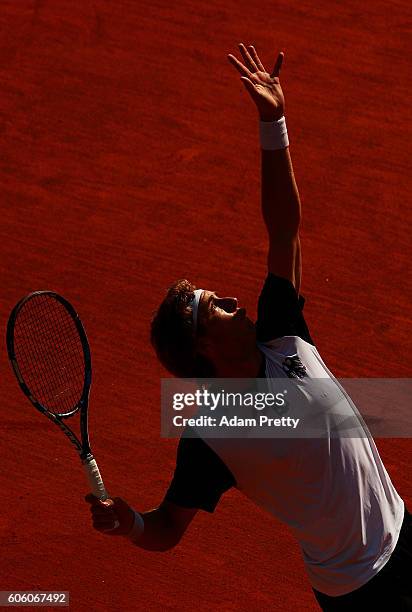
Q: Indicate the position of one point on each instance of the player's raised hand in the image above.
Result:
(263, 87)
(112, 516)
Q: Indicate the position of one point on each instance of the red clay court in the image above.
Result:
(130, 158)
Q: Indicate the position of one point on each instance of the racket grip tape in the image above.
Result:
(95, 480)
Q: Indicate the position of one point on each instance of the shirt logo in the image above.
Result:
(293, 367)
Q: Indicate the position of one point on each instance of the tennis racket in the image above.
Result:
(50, 356)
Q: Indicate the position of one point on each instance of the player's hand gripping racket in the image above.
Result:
(50, 356)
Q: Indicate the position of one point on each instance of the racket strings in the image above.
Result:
(51, 377)
(49, 353)
(41, 368)
(49, 362)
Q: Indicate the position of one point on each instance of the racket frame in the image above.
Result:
(83, 445)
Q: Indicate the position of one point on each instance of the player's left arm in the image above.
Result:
(281, 207)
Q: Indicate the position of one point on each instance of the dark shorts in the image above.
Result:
(390, 589)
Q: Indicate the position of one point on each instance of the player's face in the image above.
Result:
(226, 325)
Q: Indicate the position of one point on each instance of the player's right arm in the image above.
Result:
(200, 479)
(163, 527)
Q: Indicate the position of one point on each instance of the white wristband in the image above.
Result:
(273, 134)
(138, 527)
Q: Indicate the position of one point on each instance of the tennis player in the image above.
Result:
(334, 493)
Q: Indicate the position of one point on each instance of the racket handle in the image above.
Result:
(95, 479)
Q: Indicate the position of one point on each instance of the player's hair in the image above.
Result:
(172, 334)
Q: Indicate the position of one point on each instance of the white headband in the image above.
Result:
(194, 303)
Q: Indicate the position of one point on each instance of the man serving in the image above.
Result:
(332, 491)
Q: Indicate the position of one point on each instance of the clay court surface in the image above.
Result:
(129, 158)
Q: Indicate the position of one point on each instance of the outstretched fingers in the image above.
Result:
(239, 66)
(278, 65)
(248, 58)
(256, 58)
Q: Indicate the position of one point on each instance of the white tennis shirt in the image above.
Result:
(333, 492)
